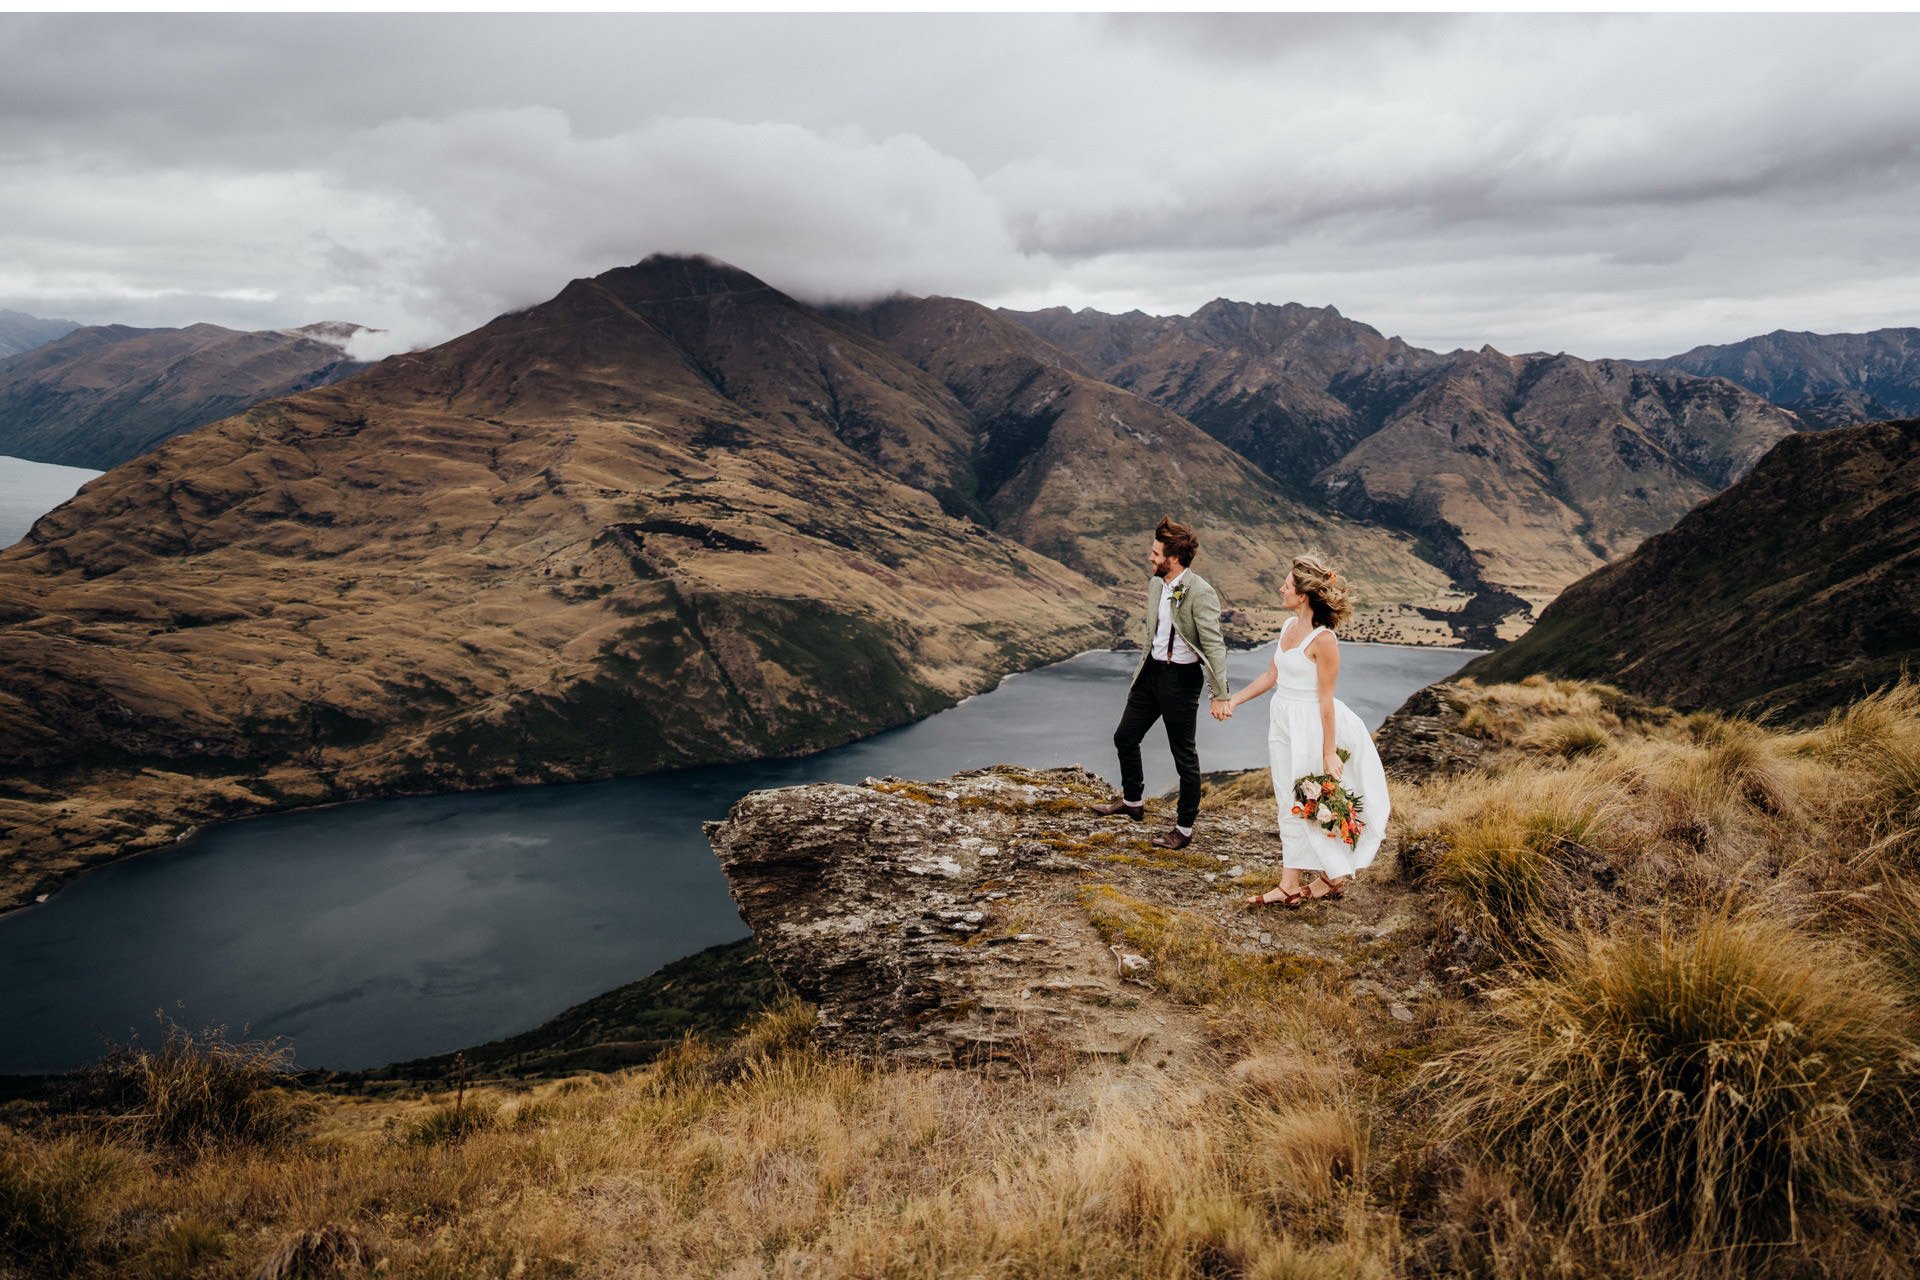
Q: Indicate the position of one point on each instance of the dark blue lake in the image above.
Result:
(391, 929)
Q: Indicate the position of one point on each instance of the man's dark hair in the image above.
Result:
(1176, 540)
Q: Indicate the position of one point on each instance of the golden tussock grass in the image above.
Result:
(1871, 749)
(762, 1157)
(1720, 1093)
(1502, 870)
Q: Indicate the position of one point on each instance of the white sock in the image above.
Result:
(1185, 831)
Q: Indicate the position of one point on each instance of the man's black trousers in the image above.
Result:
(1169, 691)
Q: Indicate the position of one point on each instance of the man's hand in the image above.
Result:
(1222, 709)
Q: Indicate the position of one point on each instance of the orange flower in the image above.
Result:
(1296, 808)
(1326, 788)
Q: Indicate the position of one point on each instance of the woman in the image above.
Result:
(1306, 726)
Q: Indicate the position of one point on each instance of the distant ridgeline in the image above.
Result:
(1794, 591)
(97, 396)
(22, 332)
(1829, 379)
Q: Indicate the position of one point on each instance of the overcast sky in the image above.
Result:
(1617, 185)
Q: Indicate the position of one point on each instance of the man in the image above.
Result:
(1184, 651)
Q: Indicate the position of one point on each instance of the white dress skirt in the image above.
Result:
(1293, 745)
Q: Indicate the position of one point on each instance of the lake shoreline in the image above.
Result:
(43, 897)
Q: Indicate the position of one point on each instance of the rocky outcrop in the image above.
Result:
(982, 918)
(1424, 738)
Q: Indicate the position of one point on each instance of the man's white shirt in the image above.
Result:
(1165, 634)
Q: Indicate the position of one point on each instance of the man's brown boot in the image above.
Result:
(1171, 838)
(1134, 811)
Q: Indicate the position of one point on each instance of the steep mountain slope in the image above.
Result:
(1289, 387)
(1519, 474)
(1829, 379)
(1795, 590)
(655, 521)
(22, 332)
(1528, 472)
(106, 393)
(1079, 469)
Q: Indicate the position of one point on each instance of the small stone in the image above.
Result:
(974, 917)
(1266, 939)
(1236, 871)
(1401, 1013)
(1209, 876)
(1219, 857)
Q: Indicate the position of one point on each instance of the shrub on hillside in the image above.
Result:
(194, 1092)
(1713, 1094)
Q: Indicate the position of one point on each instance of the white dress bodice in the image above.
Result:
(1296, 678)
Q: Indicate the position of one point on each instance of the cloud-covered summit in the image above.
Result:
(1615, 184)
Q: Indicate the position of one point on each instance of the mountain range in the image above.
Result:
(99, 395)
(1518, 474)
(1829, 379)
(1796, 590)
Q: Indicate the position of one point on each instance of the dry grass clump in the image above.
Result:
(1893, 933)
(1872, 747)
(55, 1198)
(1513, 849)
(196, 1092)
(1541, 713)
(1575, 736)
(331, 1252)
(1724, 1094)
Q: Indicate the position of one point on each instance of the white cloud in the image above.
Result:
(1624, 184)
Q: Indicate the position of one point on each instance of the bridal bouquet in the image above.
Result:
(1321, 800)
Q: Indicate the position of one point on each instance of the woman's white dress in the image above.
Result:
(1293, 744)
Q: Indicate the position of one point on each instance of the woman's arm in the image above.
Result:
(1254, 690)
(1327, 663)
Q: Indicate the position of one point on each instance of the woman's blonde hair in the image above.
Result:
(1329, 595)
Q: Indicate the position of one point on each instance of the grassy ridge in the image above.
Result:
(1675, 1033)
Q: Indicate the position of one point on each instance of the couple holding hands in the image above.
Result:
(1310, 733)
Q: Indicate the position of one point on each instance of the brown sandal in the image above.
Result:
(1335, 890)
(1290, 899)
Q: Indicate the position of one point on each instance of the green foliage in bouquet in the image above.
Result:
(1321, 800)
